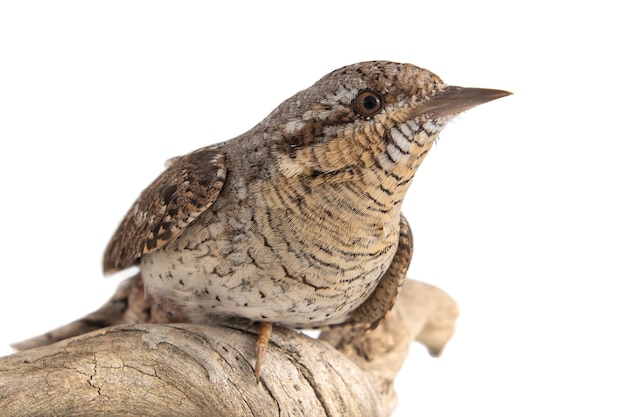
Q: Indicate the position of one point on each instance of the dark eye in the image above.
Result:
(367, 103)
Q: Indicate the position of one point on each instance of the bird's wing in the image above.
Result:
(374, 310)
(188, 187)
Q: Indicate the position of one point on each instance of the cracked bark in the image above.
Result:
(193, 370)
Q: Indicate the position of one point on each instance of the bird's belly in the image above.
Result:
(254, 279)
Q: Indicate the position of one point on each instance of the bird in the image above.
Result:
(297, 222)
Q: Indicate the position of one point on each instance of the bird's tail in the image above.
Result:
(128, 305)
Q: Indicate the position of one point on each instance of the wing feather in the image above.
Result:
(188, 187)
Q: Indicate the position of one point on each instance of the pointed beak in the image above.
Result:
(454, 100)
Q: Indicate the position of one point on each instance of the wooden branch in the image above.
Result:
(189, 370)
(423, 313)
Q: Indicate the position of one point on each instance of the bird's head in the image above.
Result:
(376, 119)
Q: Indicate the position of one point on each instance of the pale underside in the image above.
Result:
(308, 276)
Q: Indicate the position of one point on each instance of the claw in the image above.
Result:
(265, 329)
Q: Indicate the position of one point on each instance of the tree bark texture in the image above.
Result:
(199, 370)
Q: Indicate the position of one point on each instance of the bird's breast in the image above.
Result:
(279, 255)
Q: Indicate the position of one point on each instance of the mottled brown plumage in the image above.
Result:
(185, 190)
(296, 222)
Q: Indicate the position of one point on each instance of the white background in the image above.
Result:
(518, 212)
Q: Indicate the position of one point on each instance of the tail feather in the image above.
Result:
(128, 305)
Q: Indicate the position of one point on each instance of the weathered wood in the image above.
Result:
(423, 313)
(193, 370)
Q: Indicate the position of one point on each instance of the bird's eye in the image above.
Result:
(367, 103)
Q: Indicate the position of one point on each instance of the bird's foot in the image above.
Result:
(265, 329)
